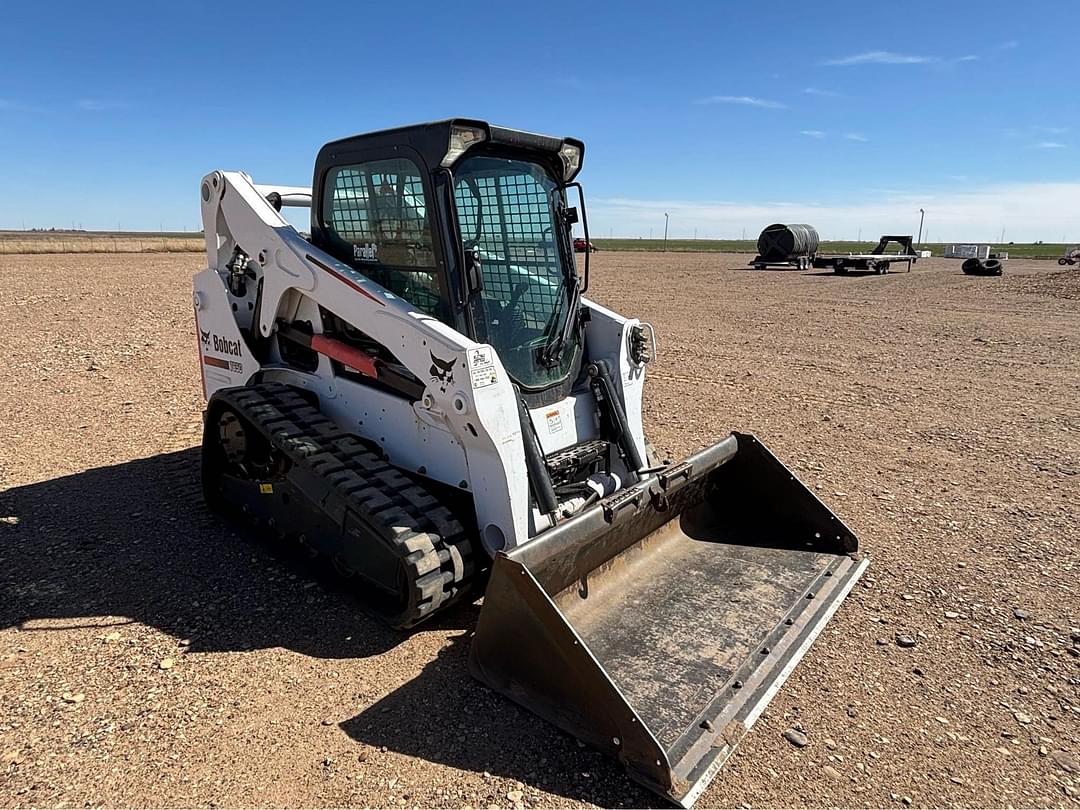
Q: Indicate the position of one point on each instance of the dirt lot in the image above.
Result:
(150, 657)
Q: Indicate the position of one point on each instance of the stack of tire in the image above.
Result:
(981, 267)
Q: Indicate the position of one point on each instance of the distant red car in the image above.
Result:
(580, 246)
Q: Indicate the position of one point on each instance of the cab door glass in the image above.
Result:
(376, 215)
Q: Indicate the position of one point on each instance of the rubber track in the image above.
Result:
(429, 540)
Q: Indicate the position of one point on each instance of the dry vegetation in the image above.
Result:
(149, 656)
(28, 242)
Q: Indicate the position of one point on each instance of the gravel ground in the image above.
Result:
(149, 656)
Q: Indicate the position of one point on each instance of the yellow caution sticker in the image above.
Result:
(266, 489)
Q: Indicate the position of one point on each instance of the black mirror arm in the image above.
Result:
(585, 228)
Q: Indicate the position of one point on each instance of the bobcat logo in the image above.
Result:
(442, 371)
(205, 338)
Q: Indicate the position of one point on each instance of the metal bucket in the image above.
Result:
(658, 624)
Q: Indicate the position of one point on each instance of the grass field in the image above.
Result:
(1018, 251)
(99, 242)
(145, 242)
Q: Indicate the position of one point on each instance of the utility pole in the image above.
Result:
(860, 235)
(695, 234)
(665, 230)
(1002, 240)
(744, 234)
(922, 215)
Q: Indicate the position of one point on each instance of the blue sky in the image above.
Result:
(727, 115)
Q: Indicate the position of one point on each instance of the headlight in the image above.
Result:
(461, 138)
(571, 160)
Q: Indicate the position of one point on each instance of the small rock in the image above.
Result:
(12, 757)
(917, 671)
(327, 721)
(905, 641)
(882, 642)
(796, 738)
(830, 744)
(830, 771)
(951, 614)
(362, 756)
(1021, 718)
(906, 800)
(1065, 761)
(515, 796)
(76, 698)
(327, 762)
(1021, 614)
(166, 663)
(113, 636)
(956, 780)
(943, 720)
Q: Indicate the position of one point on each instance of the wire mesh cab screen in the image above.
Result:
(507, 218)
(376, 215)
(505, 215)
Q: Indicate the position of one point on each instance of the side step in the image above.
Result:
(658, 624)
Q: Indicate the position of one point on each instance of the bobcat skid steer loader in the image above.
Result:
(419, 392)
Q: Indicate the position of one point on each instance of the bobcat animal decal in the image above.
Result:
(442, 371)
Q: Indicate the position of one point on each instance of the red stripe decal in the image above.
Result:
(346, 354)
(345, 279)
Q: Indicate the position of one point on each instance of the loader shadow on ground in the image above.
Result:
(135, 540)
(444, 715)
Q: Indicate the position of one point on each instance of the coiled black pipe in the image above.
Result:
(781, 243)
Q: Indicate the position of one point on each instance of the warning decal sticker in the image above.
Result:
(482, 367)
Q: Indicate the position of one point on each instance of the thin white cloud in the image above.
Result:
(749, 101)
(817, 91)
(1051, 130)
(98, 105)
(1029, 211)
(1049, 145)
(880, 58)
(812, 133)
(856, 136)
(968, 58)
(1008, 45)
(9, 105)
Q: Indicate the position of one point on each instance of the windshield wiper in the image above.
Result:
(551, 353)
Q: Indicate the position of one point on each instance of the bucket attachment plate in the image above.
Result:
(657, 625)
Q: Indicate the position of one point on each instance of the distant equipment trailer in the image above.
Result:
(877, 259)
(1071, 257)
(782, 245)
(967, 252)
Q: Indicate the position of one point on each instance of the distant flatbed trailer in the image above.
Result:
(877, 260)
(796, 263)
